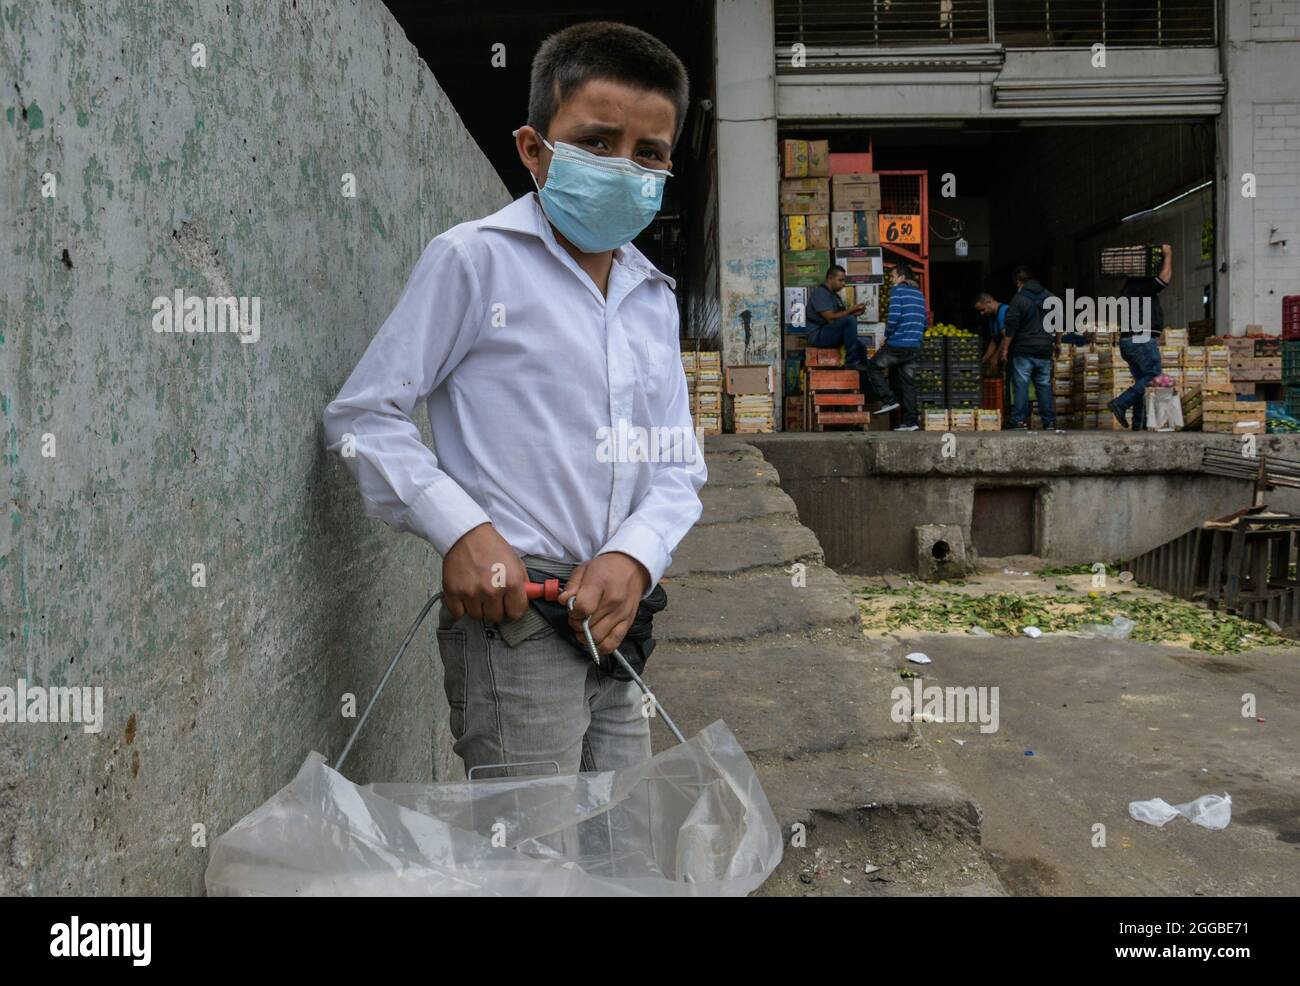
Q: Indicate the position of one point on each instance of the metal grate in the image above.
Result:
(1083, 23)
(879, 23)
(821, 24)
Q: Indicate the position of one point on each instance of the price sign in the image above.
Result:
(900, 229)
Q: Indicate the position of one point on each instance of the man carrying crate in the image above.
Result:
(1138, 344)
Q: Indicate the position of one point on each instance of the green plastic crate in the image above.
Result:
(1294, 401)
(1291, 361)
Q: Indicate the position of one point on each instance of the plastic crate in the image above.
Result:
(1291, 361)
(1131, 261)
(994, 396)
(933, 350)
(1291, 316)
(963, 349)
(1293, 401)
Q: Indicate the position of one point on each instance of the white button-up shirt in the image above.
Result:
(537, 388)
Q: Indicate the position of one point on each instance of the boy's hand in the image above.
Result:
(472, 582)
(609, 590)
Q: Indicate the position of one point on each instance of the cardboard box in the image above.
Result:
(856, 191)
(819, 158)
(796, 306)
(803, 196)
(752, 379)
(844, 232)
(794, 158)
(855, 229)
(862, 265)
(851, 163)
(804, 268)
(818, 230)
(794, 233)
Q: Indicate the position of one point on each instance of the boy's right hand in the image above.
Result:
(482, 577)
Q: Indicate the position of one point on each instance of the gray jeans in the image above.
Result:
(540, 700)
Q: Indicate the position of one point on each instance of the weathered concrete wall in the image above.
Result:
(174, 450)
(1100, 496)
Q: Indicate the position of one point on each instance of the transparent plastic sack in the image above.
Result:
(691, 821)
(1208, 811)
(1119, 628)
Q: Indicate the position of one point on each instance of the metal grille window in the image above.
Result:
(880, 23)
(1013, 23)
(1082, 23)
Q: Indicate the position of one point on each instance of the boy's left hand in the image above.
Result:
(609, 590)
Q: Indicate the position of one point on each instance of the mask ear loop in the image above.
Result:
(515, 133)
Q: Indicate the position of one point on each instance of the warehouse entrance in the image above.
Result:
(993, 195)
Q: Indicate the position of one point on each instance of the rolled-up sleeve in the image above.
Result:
(671, 505)
(370, 421)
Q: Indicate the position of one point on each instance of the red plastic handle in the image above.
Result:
(548, 590)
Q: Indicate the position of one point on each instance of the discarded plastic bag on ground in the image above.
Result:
(691, 821)
(1208, 811)
(1119, 628)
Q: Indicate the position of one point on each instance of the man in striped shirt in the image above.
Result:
(904, 330)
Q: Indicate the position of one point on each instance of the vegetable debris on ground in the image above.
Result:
(1159, 619)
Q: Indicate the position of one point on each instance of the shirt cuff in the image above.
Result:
(643, 544)
(443, 513)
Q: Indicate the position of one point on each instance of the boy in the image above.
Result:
(534, 334)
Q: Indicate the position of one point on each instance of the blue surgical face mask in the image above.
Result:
(599, 203)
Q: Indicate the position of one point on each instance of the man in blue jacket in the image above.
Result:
(904, 330)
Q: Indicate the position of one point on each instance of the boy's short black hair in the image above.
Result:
(603, 50)
(833, 269)
(1023, 274)
(904, 271)
(984, 296)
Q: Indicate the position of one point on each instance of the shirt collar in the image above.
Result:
(525, 215)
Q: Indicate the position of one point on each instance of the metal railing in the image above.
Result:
(821, 24)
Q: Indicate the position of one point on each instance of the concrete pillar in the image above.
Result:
(1259, 135)
(748, 176)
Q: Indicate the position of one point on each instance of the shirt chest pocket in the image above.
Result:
(653, 360)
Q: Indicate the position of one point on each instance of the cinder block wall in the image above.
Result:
(176, 450)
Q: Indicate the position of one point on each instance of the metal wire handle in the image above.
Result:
(392, 666)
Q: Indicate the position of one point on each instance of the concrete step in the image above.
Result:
(714, 609)
(725, 504)
(745, 544)
(740, 470)
(784, 700)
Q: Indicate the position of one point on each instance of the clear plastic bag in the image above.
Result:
(691, 821)
(1208, 811)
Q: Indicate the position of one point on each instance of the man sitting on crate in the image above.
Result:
(904, 333)
(1138, 344)
(535, 335)
(830, 324)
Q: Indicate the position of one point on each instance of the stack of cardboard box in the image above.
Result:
(704, 390)
(752, 390)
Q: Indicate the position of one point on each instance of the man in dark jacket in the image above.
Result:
(1029, 346)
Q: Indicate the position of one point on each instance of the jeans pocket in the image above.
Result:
(452, 646)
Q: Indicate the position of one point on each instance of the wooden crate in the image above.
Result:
(818, 356)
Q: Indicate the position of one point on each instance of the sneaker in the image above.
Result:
(892, 405)
(908, 428)
(1120, 416)
(1018, 426)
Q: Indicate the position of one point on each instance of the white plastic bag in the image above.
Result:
(691, 821)
(1208, 811)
